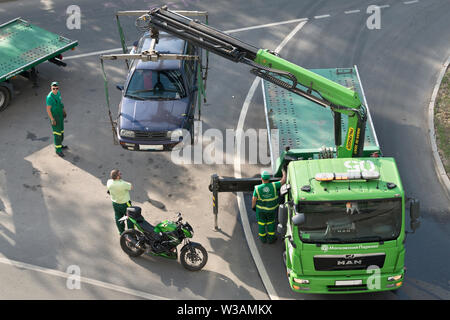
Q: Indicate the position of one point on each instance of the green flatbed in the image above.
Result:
(305, 126)
(23, 46)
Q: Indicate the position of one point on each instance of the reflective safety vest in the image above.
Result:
(267, 196)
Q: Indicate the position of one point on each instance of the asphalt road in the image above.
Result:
(54, 213)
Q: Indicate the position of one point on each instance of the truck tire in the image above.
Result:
(5, 97)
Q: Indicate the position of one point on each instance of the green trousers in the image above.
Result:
(58, 132)
(120, 209)
(266, 226)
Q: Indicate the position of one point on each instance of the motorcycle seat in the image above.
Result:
(135, 213)
(147, 227)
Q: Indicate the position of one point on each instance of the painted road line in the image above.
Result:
(237, 173)
(384, 6)
(266, 25)
(322, 16)
(352, 11)
(97, 283)
(410, 2)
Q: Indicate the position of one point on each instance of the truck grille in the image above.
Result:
(360, 287)
(150, 135)
(348, 261)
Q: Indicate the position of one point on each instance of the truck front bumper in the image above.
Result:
(372, 281)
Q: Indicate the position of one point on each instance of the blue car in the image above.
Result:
(156, 112)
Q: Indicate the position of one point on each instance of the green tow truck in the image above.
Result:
(23, 46)
(343, 209)
(343, 219)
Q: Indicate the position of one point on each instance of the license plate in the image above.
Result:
(151, 147)
(348, 282)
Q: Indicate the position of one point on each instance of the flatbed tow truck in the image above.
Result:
(23, 46)
(342, 212)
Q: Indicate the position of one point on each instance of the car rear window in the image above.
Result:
(156, 84)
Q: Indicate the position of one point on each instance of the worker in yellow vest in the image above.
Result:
(265, 202)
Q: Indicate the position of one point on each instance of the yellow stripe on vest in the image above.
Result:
(266, 208)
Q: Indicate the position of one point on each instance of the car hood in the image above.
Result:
(153, 115)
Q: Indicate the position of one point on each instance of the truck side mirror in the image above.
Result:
(414, 213)
(298, 219)
(282, 219)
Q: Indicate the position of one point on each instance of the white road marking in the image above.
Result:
(237, 172)
(322, 16)
(384, 6)
(410, 2)
(266, 25)
(98, 283)
(352, 11)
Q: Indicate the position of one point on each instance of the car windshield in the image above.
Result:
(350, 221)
(155, 84)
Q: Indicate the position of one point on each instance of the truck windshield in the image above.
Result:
(153, 84)
(350, 221)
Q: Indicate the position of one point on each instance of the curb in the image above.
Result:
(440, 170)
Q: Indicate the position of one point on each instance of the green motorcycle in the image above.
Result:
(162, 240)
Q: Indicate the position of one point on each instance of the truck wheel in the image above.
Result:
(5, 97)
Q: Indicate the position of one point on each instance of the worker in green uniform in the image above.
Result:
(265, 203)
(57, 114)
(119, 190)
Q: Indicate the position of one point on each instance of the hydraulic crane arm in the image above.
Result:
(269, 66)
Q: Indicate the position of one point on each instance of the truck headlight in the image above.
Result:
(395, 278)
(175, 135)
(127, 133)
(301, 281)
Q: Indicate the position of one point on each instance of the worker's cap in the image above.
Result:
(55, 84)
(265, 175)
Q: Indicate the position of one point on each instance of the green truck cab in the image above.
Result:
(345, 225)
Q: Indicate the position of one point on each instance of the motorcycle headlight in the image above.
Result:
(127, 133)
(175, 135)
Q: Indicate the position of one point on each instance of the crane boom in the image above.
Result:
(269, 66)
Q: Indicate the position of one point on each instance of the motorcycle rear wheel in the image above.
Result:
(128, 241)
(193, 257)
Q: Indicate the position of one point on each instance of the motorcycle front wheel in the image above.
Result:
(193, 256)
(128, 240)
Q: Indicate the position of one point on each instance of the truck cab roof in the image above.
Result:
(387, 185)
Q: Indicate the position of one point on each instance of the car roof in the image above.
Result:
(166, 44)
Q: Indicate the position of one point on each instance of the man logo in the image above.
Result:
(349, 262)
